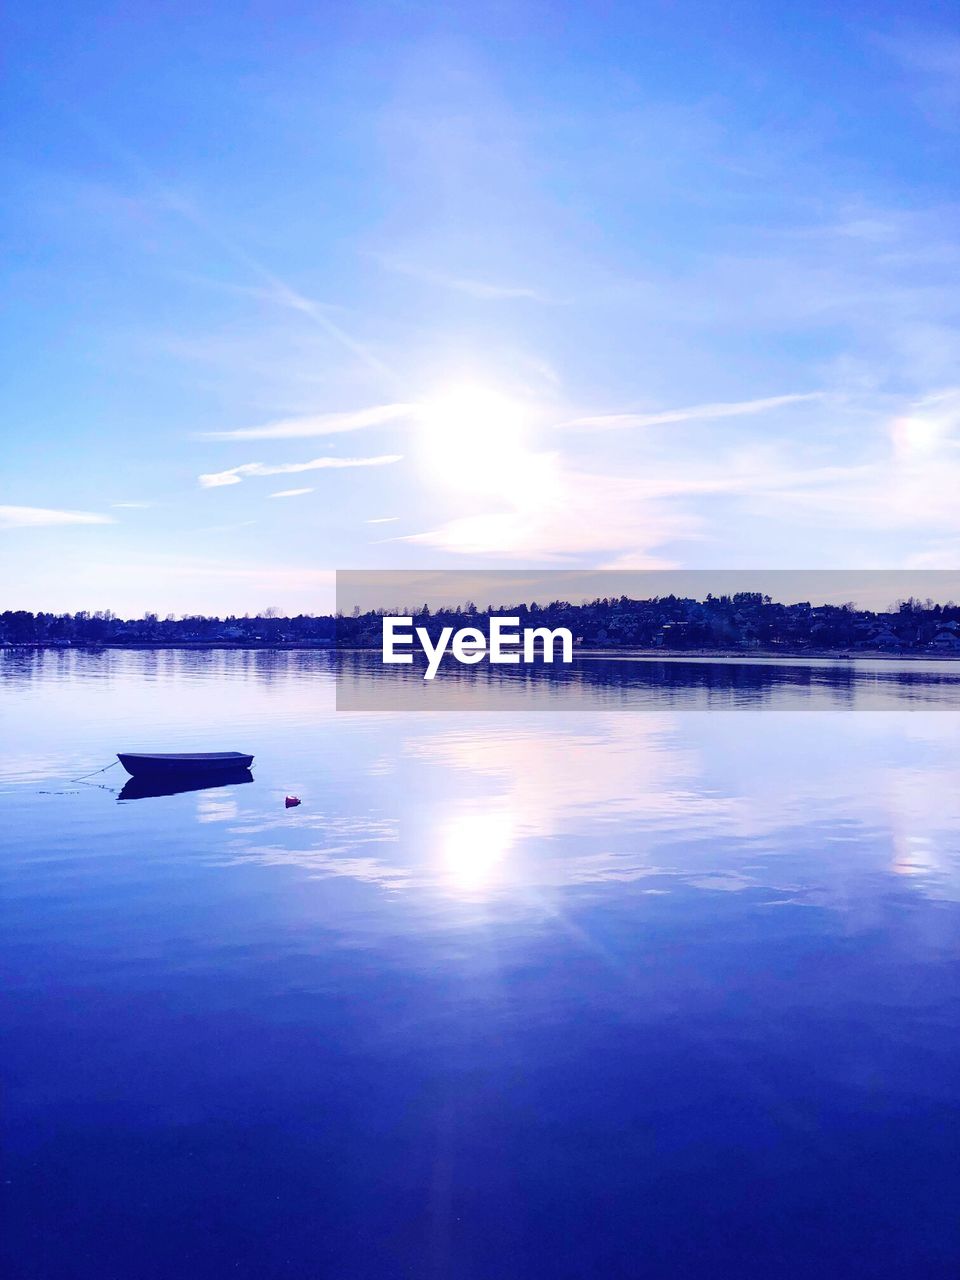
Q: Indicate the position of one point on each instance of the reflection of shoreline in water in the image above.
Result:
(595, 680)
(357, 680)
(635, 682)
(173, 784)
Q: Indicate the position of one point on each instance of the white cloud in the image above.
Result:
(911, 487)
(290, 493)
(384, 520)
(903, 476)
(583, 514)
(234, 475)
(694, 413)
(41, 517)
(324, 424)
(134, 506)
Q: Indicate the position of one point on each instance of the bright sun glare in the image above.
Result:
(472, 846)
(475, 440)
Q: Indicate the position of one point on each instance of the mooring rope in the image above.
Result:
(93, 772)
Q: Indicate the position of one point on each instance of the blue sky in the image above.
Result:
(293, 288)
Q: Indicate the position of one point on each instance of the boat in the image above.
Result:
(173, 783)
(152, 764)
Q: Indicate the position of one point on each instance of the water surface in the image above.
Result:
(656, 976)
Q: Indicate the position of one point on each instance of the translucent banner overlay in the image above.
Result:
(560, 640)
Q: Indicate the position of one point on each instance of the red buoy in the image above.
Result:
(291, 802)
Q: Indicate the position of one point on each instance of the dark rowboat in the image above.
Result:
(166, 763)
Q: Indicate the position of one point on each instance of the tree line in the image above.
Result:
(744, 620)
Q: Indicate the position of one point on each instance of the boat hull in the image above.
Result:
(169, 764)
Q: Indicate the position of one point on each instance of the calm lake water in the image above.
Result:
(653, 976)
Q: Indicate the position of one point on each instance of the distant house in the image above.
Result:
(884, 639)
(945, 642)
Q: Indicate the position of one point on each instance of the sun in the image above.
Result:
(474, 439)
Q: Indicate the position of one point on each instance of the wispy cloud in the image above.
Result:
(277, 289)
(548, 538)
(133, 506)
(484, 290)
(324, 424)
(931, 61)
(234, 475)
(42, 517)
(693, 413)
(290, 493)
(383, 520)
(225, 528)
(900, 482)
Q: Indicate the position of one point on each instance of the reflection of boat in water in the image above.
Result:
(171, 783)
(166, 763)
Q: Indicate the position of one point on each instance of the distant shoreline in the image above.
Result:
(625, 652)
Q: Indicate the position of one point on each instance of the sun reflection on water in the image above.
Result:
(473, 846)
